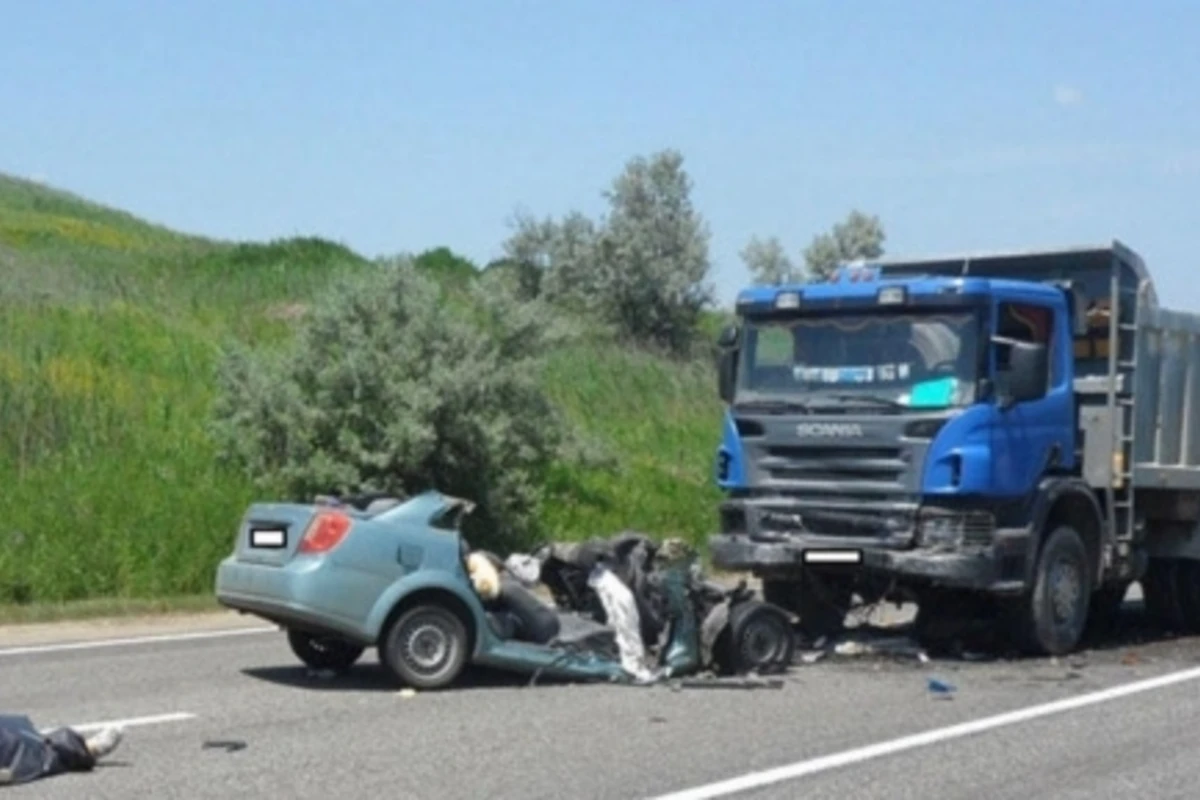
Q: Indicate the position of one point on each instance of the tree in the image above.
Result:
(858, 236)
(654, 254)
(768, 263)
(527, 252)
(445, 265)
(642, 269)
(389, 388)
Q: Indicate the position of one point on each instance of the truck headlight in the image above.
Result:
(941, 532)
(947, 529)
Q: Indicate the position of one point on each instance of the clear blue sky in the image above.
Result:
(398, 126)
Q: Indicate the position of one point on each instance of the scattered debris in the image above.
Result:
(895, 646)
(853, 648)
(1130, 658)
(812, 656)
(657, 720)
(407, 692)
(228, 745)
(941, 689)
(732, 683)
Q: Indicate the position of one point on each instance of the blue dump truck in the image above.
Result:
(1009, 437)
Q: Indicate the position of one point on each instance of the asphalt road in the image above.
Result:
(838, 727)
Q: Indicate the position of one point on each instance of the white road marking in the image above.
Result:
(131, 722)
(800, 769)
(134, 640)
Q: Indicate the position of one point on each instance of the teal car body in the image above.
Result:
(349, 579)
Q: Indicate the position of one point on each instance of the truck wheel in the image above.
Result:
(323, 652)
(1104, 611)
(1187, 583)
(820, 600)
(426, 647)
(1052, 617)
(1171, 588)
(758, 638)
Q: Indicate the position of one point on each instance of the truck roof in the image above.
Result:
(1014, 263)
(1089, 268)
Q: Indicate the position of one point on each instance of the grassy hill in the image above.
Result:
(109, 329)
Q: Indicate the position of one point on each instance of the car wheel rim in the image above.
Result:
(761, 643)
(1065, 591)
(427, 647)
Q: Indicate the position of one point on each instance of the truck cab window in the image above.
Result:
(1026, 322)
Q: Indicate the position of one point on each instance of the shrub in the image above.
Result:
(390, 388)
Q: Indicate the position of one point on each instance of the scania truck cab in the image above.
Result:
(964, 428)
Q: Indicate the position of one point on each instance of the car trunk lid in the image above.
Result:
(271, 532)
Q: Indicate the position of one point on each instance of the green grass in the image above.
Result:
(109, 328)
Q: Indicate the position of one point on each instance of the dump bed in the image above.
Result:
(1138, 380)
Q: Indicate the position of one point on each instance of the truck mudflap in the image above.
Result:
(999, 568)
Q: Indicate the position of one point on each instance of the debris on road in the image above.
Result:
(228, 745)
(812, 656)
(941, 689)
(407, 693)
(894, 646)
(731, 683)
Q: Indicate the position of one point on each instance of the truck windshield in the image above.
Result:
(909, 359)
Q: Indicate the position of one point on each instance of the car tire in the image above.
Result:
(757, 638)
(1052, 617)
(324, 652)
(426, 647)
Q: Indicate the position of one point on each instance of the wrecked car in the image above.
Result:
(398, 576)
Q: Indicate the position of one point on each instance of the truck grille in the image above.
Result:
(835, 469)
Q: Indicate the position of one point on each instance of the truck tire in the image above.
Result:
(1171, 591)
(821, 600)
(1050, 619)
(1104, 611)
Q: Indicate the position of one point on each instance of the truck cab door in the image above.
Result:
(1033, 435)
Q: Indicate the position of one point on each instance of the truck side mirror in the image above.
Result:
(727, 361)
(1023, 370)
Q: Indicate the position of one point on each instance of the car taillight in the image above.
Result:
(325, 532)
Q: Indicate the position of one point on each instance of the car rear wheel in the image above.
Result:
(324, 652)
(426, 647)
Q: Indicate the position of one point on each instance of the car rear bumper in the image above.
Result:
(290, 596)
(999, 568)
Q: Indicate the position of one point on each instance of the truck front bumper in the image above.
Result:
(998, 568)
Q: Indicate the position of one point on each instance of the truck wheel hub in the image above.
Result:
(1064, 590)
